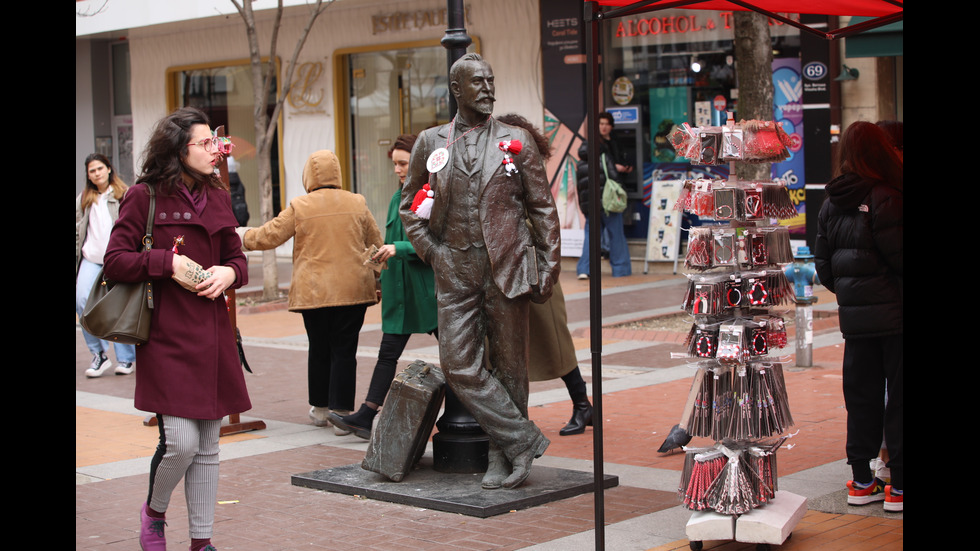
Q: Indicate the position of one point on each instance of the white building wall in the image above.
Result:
(84, 125)
(509, 38)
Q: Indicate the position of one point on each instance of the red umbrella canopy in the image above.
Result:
(867, 8)
(882, 11)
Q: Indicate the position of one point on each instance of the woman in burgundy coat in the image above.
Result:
(190, 373)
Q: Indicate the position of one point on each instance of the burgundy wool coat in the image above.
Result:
(190, 366)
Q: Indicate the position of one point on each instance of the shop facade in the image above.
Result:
(369, 71)
(373, 69)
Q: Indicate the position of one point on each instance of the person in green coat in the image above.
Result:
(408, 301)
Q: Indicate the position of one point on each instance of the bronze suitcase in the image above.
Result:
(406, 421)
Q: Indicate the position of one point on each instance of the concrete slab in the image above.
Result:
(451, 492)
(709, 525)
(773, 523)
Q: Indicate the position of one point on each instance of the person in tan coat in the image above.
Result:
(331, 287)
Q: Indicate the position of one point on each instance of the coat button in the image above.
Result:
(187, 216)
(163, 216)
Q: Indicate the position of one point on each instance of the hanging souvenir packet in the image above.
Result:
(712, 247)
(752, 201)
(732, 138)
(699, 423)
(702, 199)
(778, 246)
(728, 480)
(768, 393)
(702, 340)
(776, 329)
(765, 141)
(755, 248)
(779, 289)
(699, 249)
(701, 297)
(723, 247)
(776, 202)
(685, 141)
(709, 145)
(729, 201)
(701, 468)
(731, 348)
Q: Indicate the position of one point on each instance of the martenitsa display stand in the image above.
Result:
(738, 397)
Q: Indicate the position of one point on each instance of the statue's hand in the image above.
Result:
(541, 292)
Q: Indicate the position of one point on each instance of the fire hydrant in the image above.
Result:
(803, 274)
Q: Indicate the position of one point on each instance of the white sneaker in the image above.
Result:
(124, 368)
(583, 276)
(320, 416)
(100, 364)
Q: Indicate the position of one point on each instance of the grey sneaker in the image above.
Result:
(100, 364)
(124, 368)
(320, 416)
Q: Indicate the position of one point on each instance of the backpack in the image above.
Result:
(613, 194)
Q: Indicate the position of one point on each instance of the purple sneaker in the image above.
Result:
(151, 532)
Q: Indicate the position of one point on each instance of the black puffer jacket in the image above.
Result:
(859, 254)
(582, 173)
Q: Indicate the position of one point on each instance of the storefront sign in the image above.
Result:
(684, 26)
(625, 115)
(563, 60)
(306, 95)
(622, 91)
(416, 20)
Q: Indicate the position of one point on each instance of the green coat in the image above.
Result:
(408, 290)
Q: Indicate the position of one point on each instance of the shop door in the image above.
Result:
(392, 92)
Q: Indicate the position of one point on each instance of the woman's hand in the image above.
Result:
(213, 286)
(384, 253)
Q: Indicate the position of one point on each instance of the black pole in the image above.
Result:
(460, 446)
(592, 18)
(455, 41)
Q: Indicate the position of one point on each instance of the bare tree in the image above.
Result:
(265, 124)
(753, 65)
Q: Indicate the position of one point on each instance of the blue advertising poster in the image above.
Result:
(788, 110)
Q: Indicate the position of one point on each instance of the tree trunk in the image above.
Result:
(753, 65)
(265, 125)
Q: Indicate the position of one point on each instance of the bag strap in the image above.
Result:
(602, 160)
(148, 240)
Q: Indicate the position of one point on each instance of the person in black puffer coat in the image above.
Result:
(859, 257)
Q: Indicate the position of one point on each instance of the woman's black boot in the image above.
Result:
(581, 418)
(359, 423)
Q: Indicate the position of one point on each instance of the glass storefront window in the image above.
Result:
(392, 91)
(224, 92)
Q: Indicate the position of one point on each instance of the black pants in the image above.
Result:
(332, 364)
(389, 352)
(869, 365)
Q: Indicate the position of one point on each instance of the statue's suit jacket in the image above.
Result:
(526, 257)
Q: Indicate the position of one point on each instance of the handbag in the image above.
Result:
(613, 194)
(120, 312)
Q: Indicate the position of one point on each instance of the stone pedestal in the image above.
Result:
(453, 492)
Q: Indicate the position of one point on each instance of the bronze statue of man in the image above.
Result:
(491, 234)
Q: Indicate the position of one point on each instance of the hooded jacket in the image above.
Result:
(332, 227)
(859, 254)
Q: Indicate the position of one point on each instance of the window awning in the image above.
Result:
(879, 42)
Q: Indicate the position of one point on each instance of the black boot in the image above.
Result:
(359, 423)
(581, 418)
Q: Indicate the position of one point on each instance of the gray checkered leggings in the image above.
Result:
(188, 449)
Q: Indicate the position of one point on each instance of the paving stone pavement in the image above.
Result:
(644, 390)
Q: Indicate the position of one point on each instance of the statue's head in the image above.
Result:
(471, 83)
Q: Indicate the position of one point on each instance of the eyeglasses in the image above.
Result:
(218, 144)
